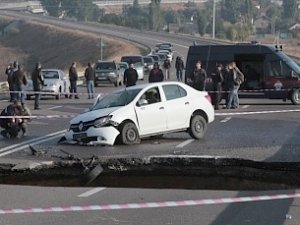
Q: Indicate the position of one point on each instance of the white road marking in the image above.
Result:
(18, 147)
(245, 106)
(185, 143)
(55, 107)
(91, 192)
(225, 120)
(4, 100)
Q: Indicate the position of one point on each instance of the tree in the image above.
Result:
(290, 9)
(202, 22)
(155, 15)
(53, 7)
(230, 10)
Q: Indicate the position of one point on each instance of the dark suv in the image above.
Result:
(108, 72)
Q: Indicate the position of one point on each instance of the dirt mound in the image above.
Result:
(55, 47)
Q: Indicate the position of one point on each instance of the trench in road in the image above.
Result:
(169, 171)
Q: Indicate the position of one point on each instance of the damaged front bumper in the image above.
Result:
(93, 136)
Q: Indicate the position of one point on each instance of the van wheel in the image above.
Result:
(129, 134)
(27, 97)
(198, 127)
(295, 98)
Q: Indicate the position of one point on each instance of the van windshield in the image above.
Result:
(291, 63)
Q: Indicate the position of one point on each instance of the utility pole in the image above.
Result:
(214, 20)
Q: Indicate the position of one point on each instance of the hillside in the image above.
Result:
(30, 42)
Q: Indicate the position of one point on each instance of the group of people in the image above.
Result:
(131, 75)
(16, 79)
(156, 73)
(226, 79)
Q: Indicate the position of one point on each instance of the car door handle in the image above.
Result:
(161, 107)
(187, 103)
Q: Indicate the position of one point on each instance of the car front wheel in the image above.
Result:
(198, 127)
(129, 134)
(295, 98)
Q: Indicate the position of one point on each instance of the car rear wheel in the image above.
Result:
(129, 134)
(198, 127)
(295, 98)
(27, 97)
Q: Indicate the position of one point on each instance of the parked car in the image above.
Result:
(149, 62)
(155, 58)
(167, 53)
(123, 66)
(56, 83)
(138, 62)
(140, 111)
(108, 72)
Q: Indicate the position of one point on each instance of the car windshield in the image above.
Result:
(105, 66)
(50, 74)
(120, 98)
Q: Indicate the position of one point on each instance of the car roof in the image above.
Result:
(142, 86)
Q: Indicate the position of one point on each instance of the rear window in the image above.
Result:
(173, 91)
(106, 66)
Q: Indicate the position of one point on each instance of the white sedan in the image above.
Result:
(141, 111)
(56, 83)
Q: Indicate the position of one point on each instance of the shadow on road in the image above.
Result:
(264, 212)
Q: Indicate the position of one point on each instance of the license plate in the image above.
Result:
(102, 78)
(79, 136)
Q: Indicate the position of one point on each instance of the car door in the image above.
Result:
(150, 111)
(177, 106)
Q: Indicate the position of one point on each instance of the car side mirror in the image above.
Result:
(142, 102)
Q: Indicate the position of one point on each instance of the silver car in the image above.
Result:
(56, 83)
(108, 72)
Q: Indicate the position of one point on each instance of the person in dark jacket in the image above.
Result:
(130, 76)
(73, 76)
(19, 81)
(9, 72)
(217, 79)
(38, 83)
(198, 77)
(89, 75)
(156, 74)
(179, 65)
(10, 125)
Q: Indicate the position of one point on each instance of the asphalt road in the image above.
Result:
(271, 134)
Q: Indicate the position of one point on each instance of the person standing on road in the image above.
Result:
(38, 83)
(89, 75)
(235, 79)
(179, 66)
(73, 76)
(156, 74)
(9, 72)
(217, 79)
(19, 81)
(130, 76)
(167, 67)
(198, 77)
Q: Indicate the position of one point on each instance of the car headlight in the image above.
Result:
(102, 121)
